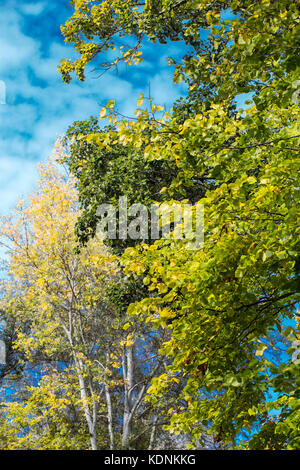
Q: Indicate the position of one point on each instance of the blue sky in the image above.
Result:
(39, 107)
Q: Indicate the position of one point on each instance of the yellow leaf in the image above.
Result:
(102, 113)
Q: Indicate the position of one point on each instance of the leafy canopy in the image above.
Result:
(222, 303)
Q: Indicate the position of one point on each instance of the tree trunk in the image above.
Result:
(109, 417)
(90, 419)
(128, 374)
(152, 437)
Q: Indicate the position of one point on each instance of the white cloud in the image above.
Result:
(33, 9)
(17, 50)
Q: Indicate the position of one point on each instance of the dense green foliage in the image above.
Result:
(103, 176)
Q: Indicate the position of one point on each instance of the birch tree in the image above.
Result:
(67, 323)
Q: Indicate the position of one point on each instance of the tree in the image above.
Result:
(222, 301)
(97, 26)
(95, 367)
